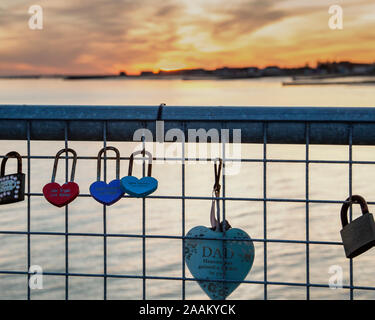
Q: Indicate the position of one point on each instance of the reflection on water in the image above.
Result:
(286, 262)
(250, 92)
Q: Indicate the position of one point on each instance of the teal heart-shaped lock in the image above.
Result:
(213, 255)
(139, 187)
(219, 259)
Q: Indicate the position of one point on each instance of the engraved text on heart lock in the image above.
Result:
(139, 187)
(107, 193)
(58, 195)
(219, 259)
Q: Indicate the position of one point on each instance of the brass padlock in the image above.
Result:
(12, 186)
(359, 235)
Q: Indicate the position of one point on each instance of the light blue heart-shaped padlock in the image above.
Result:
(139, 187)
(210, 257)
(219, 259)
(107, 193)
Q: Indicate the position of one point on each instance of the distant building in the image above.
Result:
(226, 72)
(362, 68)
(345, 68)
(147, 73)
(272, 71)
(253, 72)
(323, 69)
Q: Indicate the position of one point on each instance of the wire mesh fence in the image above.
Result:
(67, 128)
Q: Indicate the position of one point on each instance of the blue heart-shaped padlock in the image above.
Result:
(218, 259)
(139, 187)
(107, 193)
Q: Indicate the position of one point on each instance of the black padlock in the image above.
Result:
(359, 235)
(12, 186)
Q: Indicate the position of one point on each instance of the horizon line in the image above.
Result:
(119, 72)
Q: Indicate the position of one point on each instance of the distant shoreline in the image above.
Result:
(323, 70)
(296, 80)
(321, 83)
(135, 77)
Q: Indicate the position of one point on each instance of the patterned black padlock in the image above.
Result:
(12, 186)
(359, 235)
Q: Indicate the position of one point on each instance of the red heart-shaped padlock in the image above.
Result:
(60, 196)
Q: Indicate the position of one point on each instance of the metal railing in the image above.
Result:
(260, 125)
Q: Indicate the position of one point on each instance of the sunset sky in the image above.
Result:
(106, 36)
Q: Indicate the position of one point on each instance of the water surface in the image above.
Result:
(286, 262)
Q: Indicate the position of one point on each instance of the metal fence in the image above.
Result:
(335, 126)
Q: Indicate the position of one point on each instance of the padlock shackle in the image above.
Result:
(117, 161)
(12, 154)
(57, 160)
(352, 200)
(131, 160)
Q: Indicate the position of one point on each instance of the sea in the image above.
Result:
(287, 266)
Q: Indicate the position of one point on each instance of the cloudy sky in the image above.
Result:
(105, 36)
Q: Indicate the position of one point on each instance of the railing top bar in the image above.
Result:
(187, 113)
(284, 125)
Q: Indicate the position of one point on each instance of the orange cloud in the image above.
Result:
(103, 36)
